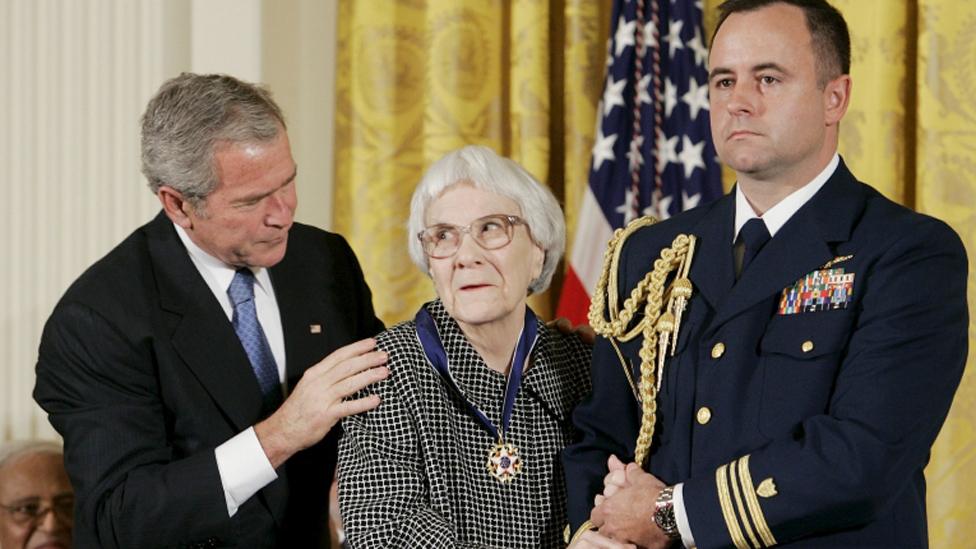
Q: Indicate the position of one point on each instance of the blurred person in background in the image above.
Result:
(36, 499)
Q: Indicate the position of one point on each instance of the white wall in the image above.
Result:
(74, 79)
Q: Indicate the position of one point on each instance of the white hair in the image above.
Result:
(482, 168)
(14, 450)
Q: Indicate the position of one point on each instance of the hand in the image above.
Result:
(317, 403)
(596, 540)
(627, 514)
(583, 331)
(614, 481)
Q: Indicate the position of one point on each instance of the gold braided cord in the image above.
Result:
(649, 293)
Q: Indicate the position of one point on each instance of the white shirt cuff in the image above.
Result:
(244, 468)
(681, 517)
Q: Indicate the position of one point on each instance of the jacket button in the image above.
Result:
(718, 350)
(704, 415)
(806, 346)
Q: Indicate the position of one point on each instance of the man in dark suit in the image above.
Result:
(185, 369)
(826, 333)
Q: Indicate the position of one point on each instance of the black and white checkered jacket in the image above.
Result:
(412, 473)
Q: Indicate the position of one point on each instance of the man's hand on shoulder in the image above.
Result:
(318, 401)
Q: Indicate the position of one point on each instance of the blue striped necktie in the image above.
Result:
(252, 337)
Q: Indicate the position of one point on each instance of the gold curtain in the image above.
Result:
(419, 78)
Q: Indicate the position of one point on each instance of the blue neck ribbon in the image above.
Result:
(431, 342)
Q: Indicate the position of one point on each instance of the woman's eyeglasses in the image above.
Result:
(490, 232)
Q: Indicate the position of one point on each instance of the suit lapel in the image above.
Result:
(802, 245)
(201, 333)
(712, 273)
(309, 317)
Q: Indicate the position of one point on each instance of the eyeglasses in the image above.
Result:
(490, 232)
(31, 511)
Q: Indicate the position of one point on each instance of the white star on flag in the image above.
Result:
(689, 202)
(666, 151)
(670, 97)
(691, 155)
(659, 209)
(626, 208)
(603, 148)
(674, 37)
(642, 86)
(701, 52)
(613, 95)
(625, 35)
(696, 97)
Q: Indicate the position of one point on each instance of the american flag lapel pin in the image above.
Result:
(315, 328)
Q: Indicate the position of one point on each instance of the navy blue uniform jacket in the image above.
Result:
(820, 422)
(142, 374)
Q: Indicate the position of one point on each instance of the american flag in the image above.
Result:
(653, 152)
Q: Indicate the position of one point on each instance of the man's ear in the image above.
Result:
(175, 206)
(837, 97)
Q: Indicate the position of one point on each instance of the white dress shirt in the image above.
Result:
(774, 218)
(243, 466)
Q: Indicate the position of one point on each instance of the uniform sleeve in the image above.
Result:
(383, 495)
(898, 373)
(101, 394)
(605, 421)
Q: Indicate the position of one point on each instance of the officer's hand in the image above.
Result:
(317, 403)
(627, 515)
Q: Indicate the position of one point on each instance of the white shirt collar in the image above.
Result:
(216, 272)
(778, 215)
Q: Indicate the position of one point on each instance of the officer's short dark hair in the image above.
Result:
(831, 39)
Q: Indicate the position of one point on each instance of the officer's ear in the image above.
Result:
(837, 97)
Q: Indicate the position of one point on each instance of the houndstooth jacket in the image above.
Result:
(412, 472)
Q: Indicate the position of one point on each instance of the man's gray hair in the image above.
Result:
(482, 168)
(14, 450)
(190, 117)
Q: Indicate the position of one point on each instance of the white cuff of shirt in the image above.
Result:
(681, 517)
(244, 468)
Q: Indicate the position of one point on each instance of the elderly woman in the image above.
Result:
(463, 450)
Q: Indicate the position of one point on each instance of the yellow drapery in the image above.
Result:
(416, 79)
(419, 79)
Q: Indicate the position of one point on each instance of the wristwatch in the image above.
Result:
(664, 513)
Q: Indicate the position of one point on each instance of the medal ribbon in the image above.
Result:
(431, 342)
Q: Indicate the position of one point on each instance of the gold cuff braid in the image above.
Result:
(584, 528)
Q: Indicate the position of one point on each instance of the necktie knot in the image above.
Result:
(242, 287)
(753, 236)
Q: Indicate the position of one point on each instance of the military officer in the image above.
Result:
(792, 350)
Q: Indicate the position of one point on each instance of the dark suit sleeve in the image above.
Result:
(898, 372)
(131, 490)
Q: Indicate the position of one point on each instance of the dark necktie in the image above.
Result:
(252, 337)
(753, 236)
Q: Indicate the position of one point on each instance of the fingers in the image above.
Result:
(342, 355)
(600, 498)
(614, 463)
(357, 382)
(357, 406)
(351, 365)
